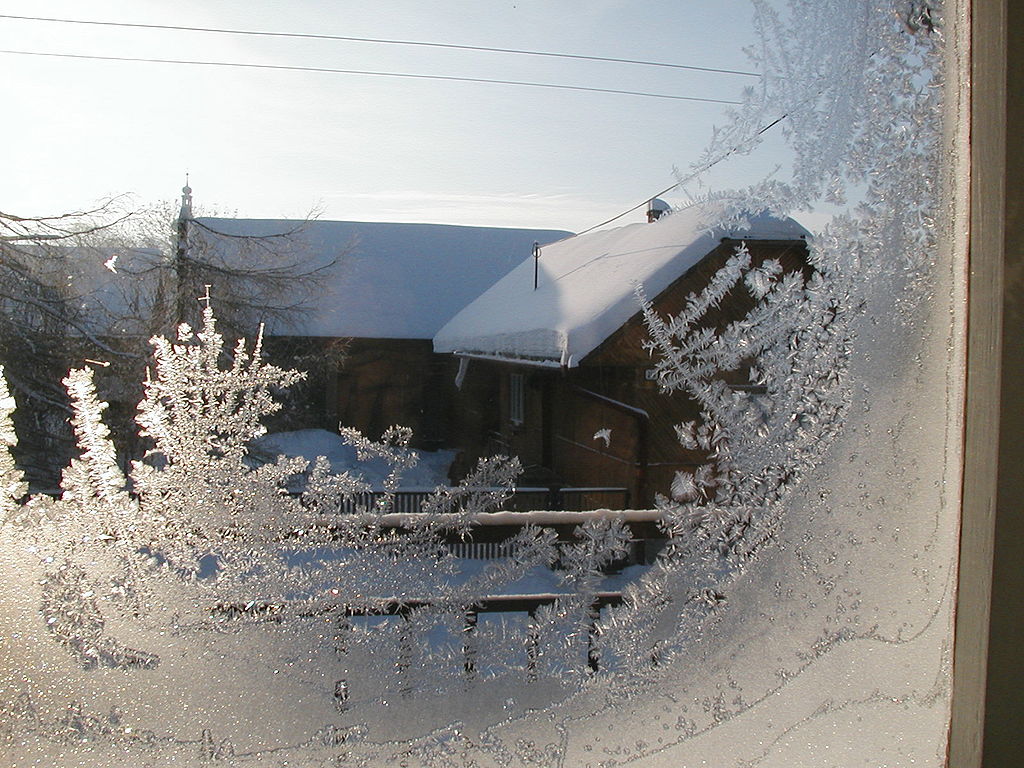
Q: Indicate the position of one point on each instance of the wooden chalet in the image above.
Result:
(394, 285)
(556, 374)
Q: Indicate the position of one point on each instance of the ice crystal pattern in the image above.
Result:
(758, 437)
(198, 541)
(137, 579)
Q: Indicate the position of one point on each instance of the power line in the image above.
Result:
(369, 73)
(384, 41)
(707, 166)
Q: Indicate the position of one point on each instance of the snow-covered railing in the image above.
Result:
(479, 550)
(490, 532)
(404, 502)
(525, 498)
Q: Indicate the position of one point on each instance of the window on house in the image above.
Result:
(516, 398)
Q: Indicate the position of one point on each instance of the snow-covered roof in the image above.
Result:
(392, 280)
(585, 288)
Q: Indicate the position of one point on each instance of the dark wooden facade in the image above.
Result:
(368, 384)
(372, 384)
(383, 382)
(387, 382)
(562, 409)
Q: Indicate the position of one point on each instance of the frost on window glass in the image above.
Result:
(199, 606)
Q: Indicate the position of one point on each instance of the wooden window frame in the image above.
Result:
(988, 668)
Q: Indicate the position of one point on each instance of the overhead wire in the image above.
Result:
(697, 172)
(710, 164)
(384, 41)
(409, 75)
(371, 73)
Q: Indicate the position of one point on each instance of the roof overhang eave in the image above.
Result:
(510, 360)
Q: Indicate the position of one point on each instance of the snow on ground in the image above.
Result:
(430, 471)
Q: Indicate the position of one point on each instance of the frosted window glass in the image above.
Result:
(801, 614)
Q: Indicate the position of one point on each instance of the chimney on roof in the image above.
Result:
(656, 208)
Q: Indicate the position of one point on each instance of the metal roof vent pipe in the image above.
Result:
(536, 263)
(656, 208)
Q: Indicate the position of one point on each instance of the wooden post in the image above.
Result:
(988, 95)
(469, 644)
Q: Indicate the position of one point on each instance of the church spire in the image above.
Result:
(182, 305)
(186, 202)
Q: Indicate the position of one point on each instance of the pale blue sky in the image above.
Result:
(270, 144)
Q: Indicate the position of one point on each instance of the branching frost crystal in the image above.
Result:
(205, 608)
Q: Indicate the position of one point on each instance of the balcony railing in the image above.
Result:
(522, 499)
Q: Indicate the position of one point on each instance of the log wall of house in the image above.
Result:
(555, 440)
(625, 346)
(591, 461)
(401, 381)
(618, 369)
(642, 452)
(473, 414)
(525, 438)
(310, 403)
(386, 382)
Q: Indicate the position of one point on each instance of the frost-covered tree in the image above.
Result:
(44, 327)
(256, 279)
(176, 255)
